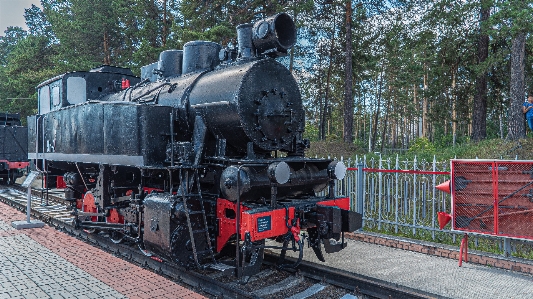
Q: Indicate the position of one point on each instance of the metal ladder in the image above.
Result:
(187, 194)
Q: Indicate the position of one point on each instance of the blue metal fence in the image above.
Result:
(397, 194)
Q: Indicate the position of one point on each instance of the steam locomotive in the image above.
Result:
(200, 160)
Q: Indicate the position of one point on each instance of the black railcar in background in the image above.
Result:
(13, 147)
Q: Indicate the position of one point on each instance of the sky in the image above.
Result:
(12, 13)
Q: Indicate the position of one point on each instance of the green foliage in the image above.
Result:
(219, 33)
(414, 62)
(485, 149)
(27, 64)
(422, 145)
(311, 131)
(422, 148)
(479, 243)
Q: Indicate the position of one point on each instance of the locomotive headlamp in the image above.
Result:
(337, 170)
(279, 172)
(262, 29)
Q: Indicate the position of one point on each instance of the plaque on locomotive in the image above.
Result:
(264, 224)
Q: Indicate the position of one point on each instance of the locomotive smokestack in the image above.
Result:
(274, 36)
(244, 39)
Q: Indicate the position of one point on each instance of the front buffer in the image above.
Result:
(325, 221)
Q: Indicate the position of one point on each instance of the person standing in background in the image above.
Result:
(528, 110)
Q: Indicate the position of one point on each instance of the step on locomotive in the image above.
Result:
(200, 160)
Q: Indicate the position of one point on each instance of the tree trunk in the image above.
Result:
(386, 122)
(348, 98)
(454, 107)
(405, 125)
(378, 105)
(479, 114)
(394, 132)
(164, 31)
(501, 125)
(425, 125)
(328, 81)
(324, 115)
(416, 119)
(516, 123)
(291, 55)
(107, 54)
(470, 104)
(319, 103)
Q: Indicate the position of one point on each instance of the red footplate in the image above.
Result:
(262, 224)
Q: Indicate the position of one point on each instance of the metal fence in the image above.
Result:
(400, 198)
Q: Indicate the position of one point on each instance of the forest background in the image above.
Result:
(375, 75)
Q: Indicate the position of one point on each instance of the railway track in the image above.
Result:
(309, 281)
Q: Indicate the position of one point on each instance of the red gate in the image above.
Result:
(493, 197)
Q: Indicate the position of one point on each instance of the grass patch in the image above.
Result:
(421, 148)
(520, 249)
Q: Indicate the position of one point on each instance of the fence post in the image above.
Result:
(360, 189)
(414, 197)
(380, 192)
(507, 247)
(433, 199)
(396, 196)
(342, 189)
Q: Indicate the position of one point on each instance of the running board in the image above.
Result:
(101, 225)
(87, 214)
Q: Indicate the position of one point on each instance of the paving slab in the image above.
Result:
(45, 263)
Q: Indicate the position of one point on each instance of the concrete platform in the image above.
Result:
(433, 274)
(45, 263)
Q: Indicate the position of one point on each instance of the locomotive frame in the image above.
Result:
(200, 160)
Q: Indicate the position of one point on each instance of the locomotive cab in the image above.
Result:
(78, 87)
